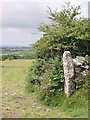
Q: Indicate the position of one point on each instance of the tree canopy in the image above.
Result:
(66, 32)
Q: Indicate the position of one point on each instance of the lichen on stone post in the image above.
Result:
(81, 66)
(68, 73)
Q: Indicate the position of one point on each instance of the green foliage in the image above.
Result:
(3, 58)
(89, 60)
(74, 105)
(33, 75)
(48, 76)
(14, 56)
(66, 32)
(52, 79)
(78, 102)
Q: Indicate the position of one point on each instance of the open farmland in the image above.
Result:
(16, 102)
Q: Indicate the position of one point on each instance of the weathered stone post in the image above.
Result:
(68, 73)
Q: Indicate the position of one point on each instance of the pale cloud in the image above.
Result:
(23, 15)
(21, 18)
(12, 29)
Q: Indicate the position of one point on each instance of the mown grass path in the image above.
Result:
(16, 102)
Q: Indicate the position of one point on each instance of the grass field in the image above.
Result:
(16, 102)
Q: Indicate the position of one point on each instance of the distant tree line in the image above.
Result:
(13, 56)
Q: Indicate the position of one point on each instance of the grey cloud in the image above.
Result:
(23, 15)
(28, 15)
(21, 19)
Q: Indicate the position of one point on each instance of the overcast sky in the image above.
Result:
(21, 18)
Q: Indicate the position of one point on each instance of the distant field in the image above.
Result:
(16, 102)
(17, 53)
(16, 50)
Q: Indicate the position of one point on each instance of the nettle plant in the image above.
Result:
(66, 32)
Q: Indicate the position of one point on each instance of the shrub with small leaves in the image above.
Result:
(66, 32)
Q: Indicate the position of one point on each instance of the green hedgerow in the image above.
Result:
(66, 32)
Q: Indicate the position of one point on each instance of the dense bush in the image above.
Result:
(4, 57)
(66, 32)
(48, 76)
